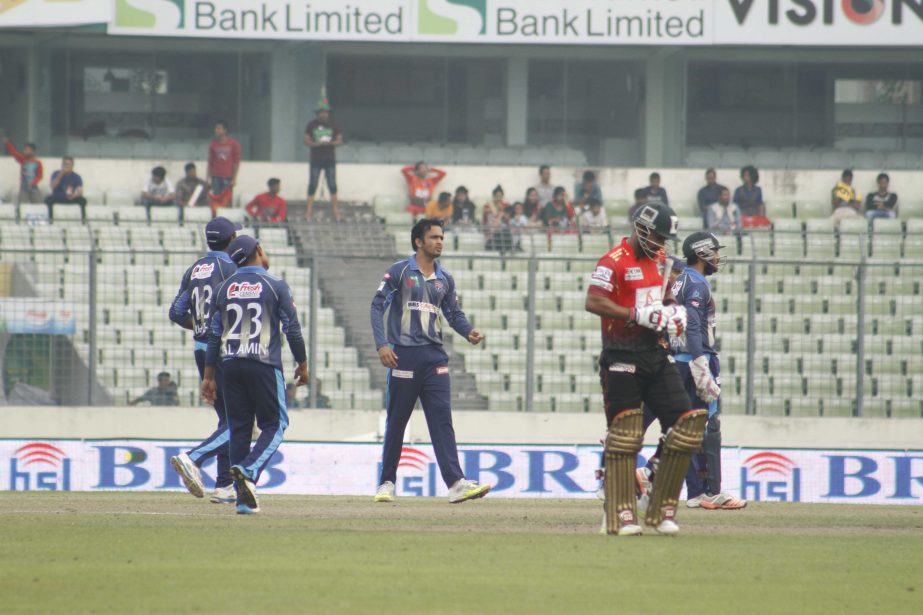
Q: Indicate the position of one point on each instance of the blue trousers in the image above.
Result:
(422, 373)
(216, 445)
(254, 390)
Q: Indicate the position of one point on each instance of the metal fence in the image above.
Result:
(810, 335)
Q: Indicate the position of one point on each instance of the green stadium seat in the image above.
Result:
(807, 210)
(874, 408)
(767, 405)
(804, 407)
(907, 408)
(910, 210)
(837, 406)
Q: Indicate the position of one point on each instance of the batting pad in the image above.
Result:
(623, 442)
(681, 442)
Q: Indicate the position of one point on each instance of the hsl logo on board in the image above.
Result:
(40, 466)
(770, 476)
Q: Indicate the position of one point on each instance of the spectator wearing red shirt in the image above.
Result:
(30, 172)
(421, 183)
(223, 164)
(269, 206)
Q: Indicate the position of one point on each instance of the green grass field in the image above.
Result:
(121, 552)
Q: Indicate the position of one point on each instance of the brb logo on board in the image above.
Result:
(770, 476)
(40, 466)
(462, 17)
(807, 12)
(421, 473)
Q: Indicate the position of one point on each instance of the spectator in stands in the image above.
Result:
(223, 164)
(66, 189)
(323, 135)
(464, 212)
(749, 196)
(846, 201)
(269, 206)
(495, 225)
(640, 201)
(723, 216)
(594, 219)
(498, 198)
(585, 191)
(709, 193)
(186, 187)
(532, 205)
(881, 204)
(157, 191)
(164, 394)
(441, 208)
(519, 221)
(291, 396)
(30, 172)
(544, 187)
(653, 193)
(421, 183)
(558, 214)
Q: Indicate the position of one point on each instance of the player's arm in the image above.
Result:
(208, 389)
(380, 302)
(456, 316)
(288, 316)
(696, 302)
(598, 300)
(180, 309)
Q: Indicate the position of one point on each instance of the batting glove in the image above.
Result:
(705, 386)
(675, 317)
(650, 316)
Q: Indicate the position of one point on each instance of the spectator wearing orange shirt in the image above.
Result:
(421, 183)
(443, 208)
(269, 206)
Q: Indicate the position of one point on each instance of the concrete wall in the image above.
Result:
(361, 182)
(471, 427)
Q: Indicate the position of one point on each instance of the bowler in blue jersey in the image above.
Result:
(407, 326)
(253, 309)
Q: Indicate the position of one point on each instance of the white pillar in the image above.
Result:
(664, 110)
(298, 73)
(517, 100)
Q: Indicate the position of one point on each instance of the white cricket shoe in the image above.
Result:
(695, 502)
(246, 490)
(224, 495)
(190, 474)
(632, 529)
(668, 527)
(464, 490)
(385, 492)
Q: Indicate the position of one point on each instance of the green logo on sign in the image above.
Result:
(462, 17)
(150, 14)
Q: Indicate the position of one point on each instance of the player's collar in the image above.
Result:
(412, 262)
(219, 255)
(251, 269)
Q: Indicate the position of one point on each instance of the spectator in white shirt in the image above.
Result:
(594, 219)
(723, 216)
(158, 191)
(544, 187)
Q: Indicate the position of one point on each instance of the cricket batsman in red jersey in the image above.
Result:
(626, 292)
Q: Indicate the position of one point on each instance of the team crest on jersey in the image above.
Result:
(203, 271)
(244, 290)
(633, 274)
(439, 285)
(677, 286)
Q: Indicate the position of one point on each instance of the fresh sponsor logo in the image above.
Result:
(402, 373)
(419, 476)
(203, 271)
(244, 290)
(770, 476)
(40, 466)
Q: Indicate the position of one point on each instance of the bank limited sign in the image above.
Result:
(774, 475)
(574, 22)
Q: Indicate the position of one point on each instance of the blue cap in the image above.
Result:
(219, 231)
(242, 248)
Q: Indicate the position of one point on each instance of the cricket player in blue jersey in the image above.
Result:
(191, 309)
(252, 310)
(413, 292)
(698, 365)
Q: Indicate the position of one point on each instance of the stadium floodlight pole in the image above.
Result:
(751, 325)
(91, 362)
(860, 328)
(530, 334)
